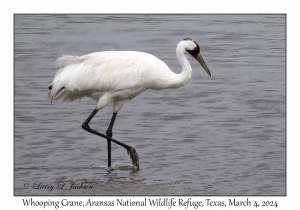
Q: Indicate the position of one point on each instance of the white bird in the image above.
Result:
(119, 76)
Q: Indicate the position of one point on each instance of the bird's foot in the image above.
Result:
(134, 157)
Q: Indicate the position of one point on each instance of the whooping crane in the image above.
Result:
(118, 76)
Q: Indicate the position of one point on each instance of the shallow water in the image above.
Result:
(219, 135)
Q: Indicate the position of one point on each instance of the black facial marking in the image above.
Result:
(50, 88)
(195, 51)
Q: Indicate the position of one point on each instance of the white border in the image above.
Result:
(154, 6)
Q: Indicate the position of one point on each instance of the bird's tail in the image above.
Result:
(54, 94)
(66, 60)
(57, 89)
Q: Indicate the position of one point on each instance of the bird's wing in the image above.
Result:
(103, 71)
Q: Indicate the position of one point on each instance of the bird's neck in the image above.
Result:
(169, 79)
(186, 74)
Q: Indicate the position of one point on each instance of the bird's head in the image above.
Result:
(191, 48)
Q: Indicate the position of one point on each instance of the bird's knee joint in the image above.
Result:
(85, 126)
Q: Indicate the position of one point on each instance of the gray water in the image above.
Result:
(219, 135)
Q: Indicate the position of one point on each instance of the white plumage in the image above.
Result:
(108, 76)
(118, 76)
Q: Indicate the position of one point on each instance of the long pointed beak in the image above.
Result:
(203, 64)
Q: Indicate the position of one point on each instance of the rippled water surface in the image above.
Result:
(219, 135)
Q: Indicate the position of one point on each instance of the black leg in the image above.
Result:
(110, 134)
(130, 150)
(111, 125)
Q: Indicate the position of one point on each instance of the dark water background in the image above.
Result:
(224, 135)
